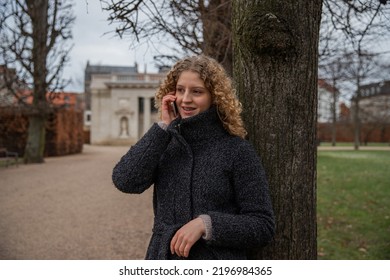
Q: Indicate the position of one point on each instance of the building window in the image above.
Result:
(87, 117)
(141, 105)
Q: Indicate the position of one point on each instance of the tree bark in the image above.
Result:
(35, 140)
(356, 121)
(275, 59)
(334, 111)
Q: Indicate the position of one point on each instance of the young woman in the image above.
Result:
(211, 198)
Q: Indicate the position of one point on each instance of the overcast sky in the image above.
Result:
(91, 44)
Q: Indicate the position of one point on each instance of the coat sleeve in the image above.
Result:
(135, 171)
(253, 225)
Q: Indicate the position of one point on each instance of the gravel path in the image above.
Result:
(68, 208)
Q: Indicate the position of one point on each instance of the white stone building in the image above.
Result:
(122, 106)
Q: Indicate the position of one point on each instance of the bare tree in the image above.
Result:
(332, 73)
(194, 26)
(361, 69)
(34, 36)
(333, 70)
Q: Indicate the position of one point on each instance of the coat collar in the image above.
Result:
(201, 127)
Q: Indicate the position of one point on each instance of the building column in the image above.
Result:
(147, 113)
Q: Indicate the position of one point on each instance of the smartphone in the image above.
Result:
(174, 108)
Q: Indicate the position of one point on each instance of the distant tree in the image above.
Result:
(33, 40)
(275, 71)
(333, 72)
(352, 30)
(361, 70)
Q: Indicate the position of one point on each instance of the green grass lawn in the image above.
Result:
(11, 162)
(351, 144)
(353, 205)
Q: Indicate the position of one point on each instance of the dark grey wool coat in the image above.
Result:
(197, 168)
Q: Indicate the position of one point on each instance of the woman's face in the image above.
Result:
(192, 96)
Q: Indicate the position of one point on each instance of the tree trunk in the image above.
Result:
(356, 121)
(36, 140)
(334, 115)
(275, 61)
(38, 12)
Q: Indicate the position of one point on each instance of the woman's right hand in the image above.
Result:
(186, 236)
(167, 115)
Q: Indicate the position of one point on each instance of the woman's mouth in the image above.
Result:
(188, 109)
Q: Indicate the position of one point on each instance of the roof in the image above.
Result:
(107, 69)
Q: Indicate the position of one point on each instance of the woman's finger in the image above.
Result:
(173, 243)
(167, 111)
(177, 245)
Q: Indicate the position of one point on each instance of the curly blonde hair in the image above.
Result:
(216, 81)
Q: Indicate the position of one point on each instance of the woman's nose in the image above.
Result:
(187, 96)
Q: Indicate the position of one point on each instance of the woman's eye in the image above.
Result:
(179, 90)
(197, 92)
